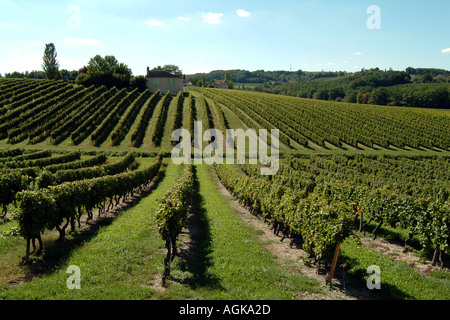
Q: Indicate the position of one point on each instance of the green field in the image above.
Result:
(341, 166)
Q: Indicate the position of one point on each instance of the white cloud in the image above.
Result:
(20, 62)
(358, 53)
(445, 50)
(212, 18)
(81, 42)
(70, 64)
(184, 18)
(243, 13)
(155, 23)
(29, 61)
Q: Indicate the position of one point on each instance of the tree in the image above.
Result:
(66, 74)
(36, 75)
(50, 64)
(195, 80)
(122, 72)
(173, 69)
(335, 93)
(139, 82)
(83, 70)
(203, 80)
(322, 94)
(85, 79)
(410, 70)
(362, 98)
(428, 77)
(105, 71)
(100, 65)
(122, 68)
(379, 96)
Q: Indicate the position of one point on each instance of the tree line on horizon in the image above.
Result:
(100, 70)
(426, 88)
(240, 76)
(413, 87)
(103, 71)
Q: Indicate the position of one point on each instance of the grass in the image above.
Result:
(12, 248)
(82, 147)
(122, 258)
(166, 138)
(239, 267)
(117, 262)
(398, 281)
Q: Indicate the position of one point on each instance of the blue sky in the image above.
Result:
(200, 36)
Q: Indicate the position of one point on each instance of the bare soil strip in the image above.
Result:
(395, 252)
(349, 147)
(363, 146)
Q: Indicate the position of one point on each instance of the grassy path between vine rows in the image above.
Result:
(398, 279)
(219, 258)
(118, 262)
(230, 263)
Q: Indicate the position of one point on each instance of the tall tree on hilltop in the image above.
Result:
(50, 64)
(203, 80)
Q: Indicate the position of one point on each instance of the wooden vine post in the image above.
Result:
(167, 261)
(333, 264)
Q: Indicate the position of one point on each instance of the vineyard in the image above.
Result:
(352, 179)
(309, 122)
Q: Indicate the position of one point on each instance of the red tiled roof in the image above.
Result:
(218, 82)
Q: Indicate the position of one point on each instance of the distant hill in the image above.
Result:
(261, 76)
(415, 87)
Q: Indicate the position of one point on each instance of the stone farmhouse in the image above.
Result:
(220, 84)
(162, 80)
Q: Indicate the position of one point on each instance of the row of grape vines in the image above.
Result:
(35, 111)
(20, 170)
(171, 214)
(57, 111)
(410, 194)
(53, 191)
(319, 122)
(320, 225)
